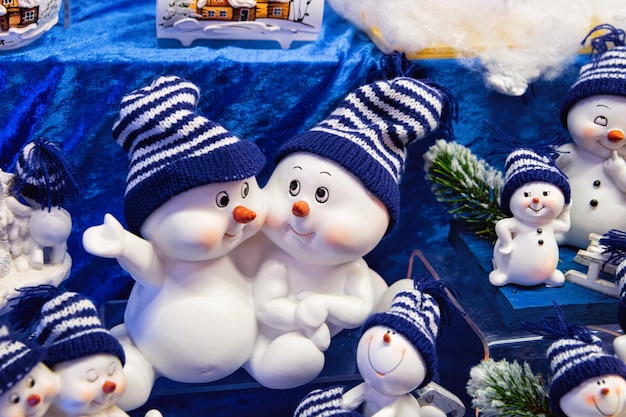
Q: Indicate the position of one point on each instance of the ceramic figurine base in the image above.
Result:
(239, 20)
(516, 303)
(24, 21)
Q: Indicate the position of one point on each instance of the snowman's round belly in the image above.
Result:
(193, 339)
(533, 260)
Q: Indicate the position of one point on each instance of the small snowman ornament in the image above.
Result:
(594, 113)
(87, 359)
(191, 197)
(584, 380)
(536, 196)
(396, 355)
(332, 197)
(27, 385)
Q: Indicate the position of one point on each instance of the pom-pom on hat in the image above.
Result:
(575, 356)
(605, 75)
(172, 149)
(416, 315)
(524, 166)
(16, 360)
(44, 174)
(368, 133)
(67, 324)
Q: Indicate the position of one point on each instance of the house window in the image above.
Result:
(7, 2)
(277, 11)
(29, 16)
(211, 13)
(223, 14)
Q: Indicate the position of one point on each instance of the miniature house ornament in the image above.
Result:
(191, 197)
(281, 21)
(332, 197)
(594, 113)
(24, 21)
(536, 196)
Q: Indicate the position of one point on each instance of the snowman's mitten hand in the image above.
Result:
(324, 402)
(311, 312)
(615, 166)
(106, 240)
(506, 249)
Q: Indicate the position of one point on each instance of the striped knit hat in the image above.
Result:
(575, 356)
(524, 166)
(368, 133)
(16, 360)
(67, 324)
(605, 75)
(324, 403)
(172, 149)
(415, 315)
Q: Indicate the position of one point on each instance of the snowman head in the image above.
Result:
(32, 395)
(172, 149)
(531, 173)
(320, 213)
(604, 395)
(597, 124)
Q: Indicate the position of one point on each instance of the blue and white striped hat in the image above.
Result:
(368, 133)
(172, 149)
(524, 166)
(605, 75)
(69, 328)
(325, 402)
(415, 315)
(16, 360)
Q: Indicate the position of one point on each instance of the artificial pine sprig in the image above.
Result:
(508, 389)
(468, 187)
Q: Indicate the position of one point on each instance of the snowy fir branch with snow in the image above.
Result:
(467, 186)
(508, 389)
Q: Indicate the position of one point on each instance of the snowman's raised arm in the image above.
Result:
(562, 223)
(270, 295)
(504, 230)
(615, 167)
(134, 254)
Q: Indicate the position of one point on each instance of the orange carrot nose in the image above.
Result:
(108, 387)
(605, 391)
(243, 215)
(300, 209)
(387, 338)
(33, 400)
(616, 135)
(536, 200)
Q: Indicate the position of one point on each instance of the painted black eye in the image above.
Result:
(321, 194)
(245, 189)
(222, 199)
(546, 193)
(601, 121)
(526, 194)
(14, 398)
(29, 382)
(294, 187)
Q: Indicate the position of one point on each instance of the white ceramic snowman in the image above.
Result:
(27, 385)
(594, 113)
(395, 355)
(189, 316)
(332, 197)
(599, 396)
(536, 195)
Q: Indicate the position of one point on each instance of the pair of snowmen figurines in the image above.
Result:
(211, 293)
(69, 365)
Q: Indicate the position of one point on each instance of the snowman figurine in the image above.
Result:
(27, 385)
(584, 380)
(191, 197)
(396, 355)
(86, 358)
(536, 196)
(332, 197)
(594, 113)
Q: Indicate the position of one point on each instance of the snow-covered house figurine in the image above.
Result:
(283, 21)
(23, 21)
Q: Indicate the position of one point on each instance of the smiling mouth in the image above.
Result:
(379, 373)
(305, 235)
(602, 412)
(538, 210)
(230, 236)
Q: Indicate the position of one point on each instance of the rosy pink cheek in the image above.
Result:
(210, 238)
(337, 236)
(590, 400)
(588, 132)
